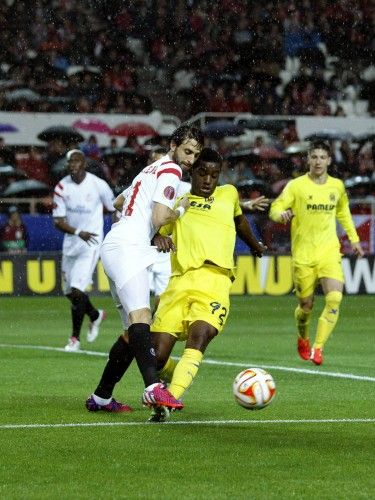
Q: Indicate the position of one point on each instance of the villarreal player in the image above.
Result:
(313, 203)
(194, 308)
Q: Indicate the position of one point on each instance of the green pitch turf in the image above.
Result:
(316, 439)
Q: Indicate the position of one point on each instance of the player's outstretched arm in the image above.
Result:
(62, 225)
(260, 204)
(246, 234)
(357, 249)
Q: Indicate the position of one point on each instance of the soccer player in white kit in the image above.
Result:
(79, 199)
(126, 255)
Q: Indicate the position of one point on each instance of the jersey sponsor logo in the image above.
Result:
(201, 206)
(169, 192)
(320, 207)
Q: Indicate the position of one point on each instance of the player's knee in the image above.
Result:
(76, 294)
(333, 299)
(307, 304)
(200, 335)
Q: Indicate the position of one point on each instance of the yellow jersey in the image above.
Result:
(206, 233)
(316, 208)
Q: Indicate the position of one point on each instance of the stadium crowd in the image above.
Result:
(286, 57)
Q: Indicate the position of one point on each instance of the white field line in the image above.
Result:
(193, 422)
(316, 371)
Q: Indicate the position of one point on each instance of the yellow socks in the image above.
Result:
(166, 373)
(328, 318)
(303, 322)
(185, 371)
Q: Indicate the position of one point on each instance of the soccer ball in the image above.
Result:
(254, 388)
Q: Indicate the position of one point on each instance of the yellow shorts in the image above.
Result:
(306, 278)
(200, 294)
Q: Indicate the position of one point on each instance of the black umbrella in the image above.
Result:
(297, 148)
(66, 134)
(222, 128)
(329, 135)
(241, 154)
(59, 169)
(122, 152)
(270, 125)
(370, 136)
(10, 171)
(23, 94)
(29, 187)
(358, 181)
(249, 185)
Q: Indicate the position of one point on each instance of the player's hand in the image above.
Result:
(184, 202)
(260, 203)
(90, 238)
(358, 250)
(286, 216)
(259, 249)
(163, 243)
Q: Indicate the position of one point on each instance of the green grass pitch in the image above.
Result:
(315, 440)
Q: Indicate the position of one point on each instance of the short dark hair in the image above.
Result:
(319, 144)
(209, 155)
(186, 132)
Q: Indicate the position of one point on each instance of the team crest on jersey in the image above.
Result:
(169, 192)
(54, 205)
(210, 199)
(332, 197)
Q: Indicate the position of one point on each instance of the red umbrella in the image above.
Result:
(133, 129)
(92, 125)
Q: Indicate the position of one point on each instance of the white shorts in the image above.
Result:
(133, 295)
(123, 314)
(159, 273)
(77, 270)
(121, 262)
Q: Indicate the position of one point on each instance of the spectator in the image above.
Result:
(13, 235)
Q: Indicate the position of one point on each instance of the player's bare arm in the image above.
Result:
(286, 216)
(260, 204)
(163, 243)
(163, 215)
(119, 202)
(244, 232)
(62, 225)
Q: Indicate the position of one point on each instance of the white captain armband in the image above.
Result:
(180, 211)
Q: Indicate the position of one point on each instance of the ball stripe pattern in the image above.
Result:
(254, 388)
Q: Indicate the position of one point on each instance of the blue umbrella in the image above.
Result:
(7, 127)
(222, 128)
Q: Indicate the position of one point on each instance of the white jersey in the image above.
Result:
(82, 206)
(156, 183)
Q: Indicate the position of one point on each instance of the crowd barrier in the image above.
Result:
(38, 273)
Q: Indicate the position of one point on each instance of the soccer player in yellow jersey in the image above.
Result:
(312, 203)
(194, 308)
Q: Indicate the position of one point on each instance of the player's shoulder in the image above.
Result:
(97, 180)
(226, 190)
(165, 164)
(297, 181)
(335, 181)
(63, 183)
